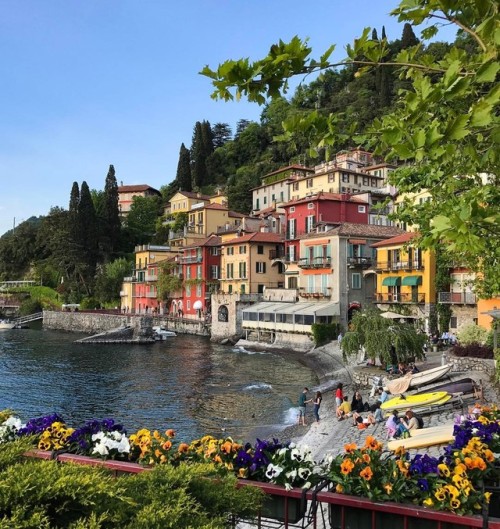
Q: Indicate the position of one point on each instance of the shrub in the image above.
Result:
(325, 332)
(472, 333)
(30, 306)
(473, 350)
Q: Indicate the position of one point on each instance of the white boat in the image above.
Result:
(160, 333)
(430, 375)
(6, 324)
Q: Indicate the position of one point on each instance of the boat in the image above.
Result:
(432, 437)
(159, 333)
(414, 401)
(463, 385)
(429, 375)
(6, 324)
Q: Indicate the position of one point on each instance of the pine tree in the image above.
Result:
(111, 214)
(408, 38)
(221, 133)
(74, 198)
(183, 176)
(241, 126)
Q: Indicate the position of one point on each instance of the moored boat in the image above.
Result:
(463, 385)
(6, 324)
(414, 401)
(159, 333)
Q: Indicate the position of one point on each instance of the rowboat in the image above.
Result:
(463, 385)
(6, 324)
(413, 401)
(429, 375)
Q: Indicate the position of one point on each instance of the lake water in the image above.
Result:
(186, 383)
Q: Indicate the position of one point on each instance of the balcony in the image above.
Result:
(457, 298)
(386, 297)
(193, 259)
(313, 292)
(130, 279)
(152, 295)
(363, 262)
(399, 265)
(151, 277)
(315, 262)
(277, 254)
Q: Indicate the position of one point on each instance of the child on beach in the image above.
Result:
(339, 394)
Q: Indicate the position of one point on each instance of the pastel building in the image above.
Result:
(126, 195)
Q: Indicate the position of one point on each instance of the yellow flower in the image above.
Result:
(453, 491)
(460, 469)
(156, 435)
(242, 472)
(455, 503)
(428, 502)
(487, 496)
(339, 489)
(388, 488)
(440, 494)
(444, 470)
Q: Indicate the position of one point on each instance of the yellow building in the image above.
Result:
(183, 201)
(247, 263)
(405, 274)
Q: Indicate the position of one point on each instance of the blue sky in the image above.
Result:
(88, 83)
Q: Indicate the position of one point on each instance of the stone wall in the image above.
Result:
(85, 322)
(469, 364)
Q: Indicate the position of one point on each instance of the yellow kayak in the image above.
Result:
(414, 401)
(431, 437)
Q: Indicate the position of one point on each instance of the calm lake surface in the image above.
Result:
(185, 383)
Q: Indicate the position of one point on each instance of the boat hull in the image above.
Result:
(464, 385)
(414, 401)
(429, 375)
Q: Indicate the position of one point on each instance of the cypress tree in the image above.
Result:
(183, 176)
(111, 213)
(374, 34)
(384, 36)
(408, 38)
(74, 198)
(87, 227)
(198, 158)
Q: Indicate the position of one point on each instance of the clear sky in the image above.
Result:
(88, 83)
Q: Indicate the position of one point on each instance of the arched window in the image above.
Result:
(223, 313)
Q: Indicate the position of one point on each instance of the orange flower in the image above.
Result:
(346, 466)
(183, 448)
(167, 445)
(339, 489)
(349, 448)
(366, 458)
(156, 435)
(227, 447)
(372, 443)
(170, 433)
(366, 473)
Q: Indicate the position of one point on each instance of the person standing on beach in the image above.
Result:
(302, 406)
(317, 403)
(339, 394)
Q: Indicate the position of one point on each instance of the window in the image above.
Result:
(292, 209)
(310, 205)
(453, 322)
(260, 289)
(188, 305)
(260, 249)
(356, 281)
(292, 225)
(230, 250)
(273, 198)
(265, 200)
(243, 249)
(282, 196)
(310, 220)
(309, 182)
(243, 270)
(331, 177)
(214, 272)
(260, 267)
(229, 270)
(188, 290)
(198, 290)
(345, 178)
(295, 186)
(230, 289)
(291, 253)
(188, 272)
(374, 182)
(366, 181)
(198, 272)
(257, 204)
(214, 250)
(361, 209)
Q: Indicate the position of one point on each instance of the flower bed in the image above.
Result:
(453, 482)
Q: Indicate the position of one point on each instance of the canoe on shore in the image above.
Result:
(413, 401)
(463, 385)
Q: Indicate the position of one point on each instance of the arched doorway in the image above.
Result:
(354, 307)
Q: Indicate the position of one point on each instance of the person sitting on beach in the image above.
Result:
(339, 394)
(363, 422)
(394, 426)
(357, 403)
(344, 410)
(410, 421)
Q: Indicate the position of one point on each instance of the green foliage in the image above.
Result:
(142, 217)
(380, 337)
(30, 306)
(325, 332)
(472, 333)
(183, 176)
(181, 220)
(110, 278)
(45, 494)
(496, 354)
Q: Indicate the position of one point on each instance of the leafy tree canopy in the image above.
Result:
(445, 125)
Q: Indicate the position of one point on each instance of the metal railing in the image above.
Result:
(458, 298)
(315, 292)
(384, 297)
(400, 265)
(194, 259)
(359, 261)
(316, 262)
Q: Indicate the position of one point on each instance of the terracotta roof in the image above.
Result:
(211, 240)
(236, 215)
(258, 236)
(288, 168)
(398, 240)
(137, 189)
(337, 197)
(352, 229)
(214, 206)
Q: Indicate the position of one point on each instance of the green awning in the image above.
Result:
(412, 281)
(391, 281)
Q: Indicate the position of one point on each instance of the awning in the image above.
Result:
(318, 308)
(391, 281)
(412, 281)
(357, 241)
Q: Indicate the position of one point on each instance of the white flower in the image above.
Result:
(304, 473)
(307, 485)
(13, 422)
(100, 449)
(273, 471)
(123, 445)
(291, 475)
(292, 445)
(288, 486)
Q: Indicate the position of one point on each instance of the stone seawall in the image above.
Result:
(95, 323)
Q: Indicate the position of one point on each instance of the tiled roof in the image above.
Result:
(289, 168)
(194, 194)
(257, 237)
(352, 229)
(398, 240)
(211, 240)
(137, 189)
